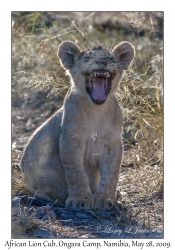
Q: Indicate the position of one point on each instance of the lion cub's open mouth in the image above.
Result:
(99, 85)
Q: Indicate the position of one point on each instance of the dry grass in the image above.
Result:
(35, 65)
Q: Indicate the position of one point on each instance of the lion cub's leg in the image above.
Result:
(71, 152)
(106, 194)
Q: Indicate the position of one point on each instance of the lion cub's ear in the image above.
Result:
(124, 53)
(68, 53)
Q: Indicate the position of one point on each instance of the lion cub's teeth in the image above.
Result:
(95, 74)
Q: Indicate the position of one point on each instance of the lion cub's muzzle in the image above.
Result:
(99, 85)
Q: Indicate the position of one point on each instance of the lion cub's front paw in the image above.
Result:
(86, 202)
(104, 203)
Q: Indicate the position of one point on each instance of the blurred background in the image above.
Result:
(39, 85)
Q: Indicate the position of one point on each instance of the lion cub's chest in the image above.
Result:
(99, 133)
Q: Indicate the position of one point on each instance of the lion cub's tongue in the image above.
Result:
(98, 92)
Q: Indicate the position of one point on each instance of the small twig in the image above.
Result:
(135, 215)
(84, 38)
(96, 215)
(49, 219)
(112, 45)
(48, 39)
(155, 218)
(32, 198)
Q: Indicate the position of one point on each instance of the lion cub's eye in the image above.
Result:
(112, 59)
(86, 58)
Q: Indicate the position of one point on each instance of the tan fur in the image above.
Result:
(75, 156)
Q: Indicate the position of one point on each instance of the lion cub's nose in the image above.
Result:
(101, 63)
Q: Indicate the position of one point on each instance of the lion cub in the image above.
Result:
(75, 155)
